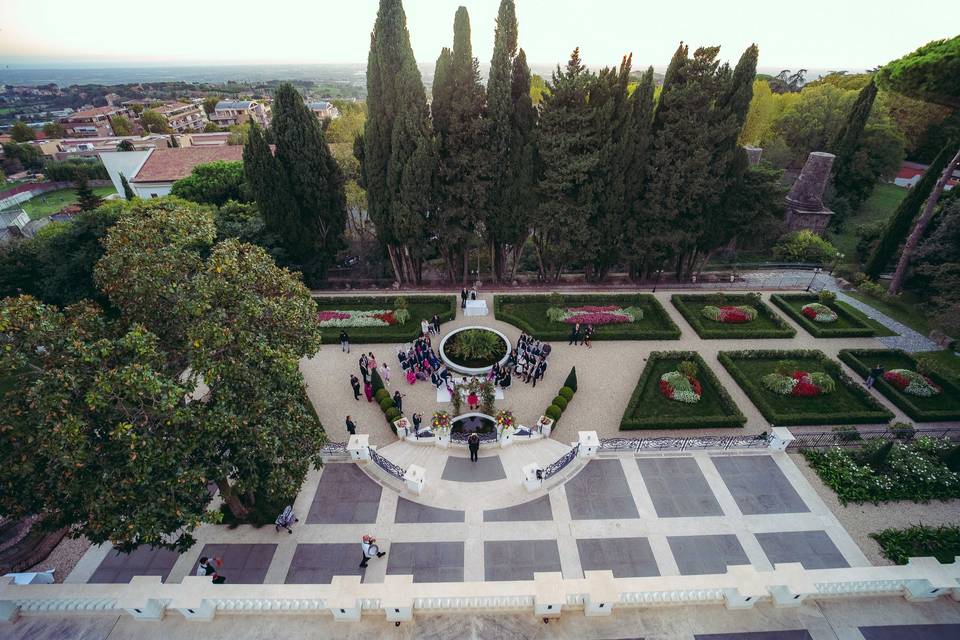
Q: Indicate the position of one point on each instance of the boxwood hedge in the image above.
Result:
(767, 324)
(848, 404)
(942, 407)
(420, 307)
(847, 325)
(642, 414)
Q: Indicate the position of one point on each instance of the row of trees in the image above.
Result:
(120, 418)
(599, 175)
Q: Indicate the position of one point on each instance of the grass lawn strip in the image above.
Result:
(529, 313)
(942, 407)
(849, 403)
(846, 325)
(898, 545)
(650, 409)
(420, 307)
(766, 325)
(53, 201)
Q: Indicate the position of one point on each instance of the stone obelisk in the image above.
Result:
(805, 208)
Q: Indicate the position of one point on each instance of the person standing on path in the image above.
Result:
(463, 298)
(368, 544)
(436, 324)
(539, 371)
(355, 384)
(574, 335)
(210, 567)
(351, 427)
(364, 367)
(368, 391)
(371, 361)
(385, 373)
(424, 327)
(398, 400)
(417, 420)
(344, 341)
(588, 336)
(875, 373)
(473, 443)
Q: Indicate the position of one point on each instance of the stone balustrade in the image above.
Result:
(598, 593)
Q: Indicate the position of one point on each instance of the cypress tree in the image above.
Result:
(315, 182)
(270, 189)
(397, 131)
(128, 193)
(851, 184)
(636, 161)
(896, 230)
(86, 198)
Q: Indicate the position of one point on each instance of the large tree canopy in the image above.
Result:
(930, 73)
(213, 183)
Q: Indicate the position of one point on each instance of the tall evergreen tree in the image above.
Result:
(128, 193)
(636, 151)
(86, 198)
(461, 128)
(396, 152)
(319, 215)
(270, 189)
(851, 184)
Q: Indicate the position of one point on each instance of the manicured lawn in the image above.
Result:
(766, 325)
(941, 407)
(847, 325)
(905, 312)
(420, 307)
(529, 314)
(50, 203)
(650, 409)
(879, 330)
(849, 403)
(898, 545)
(878, 208)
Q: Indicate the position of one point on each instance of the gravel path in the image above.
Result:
(908, 340)
(860, 520)
(63, 558)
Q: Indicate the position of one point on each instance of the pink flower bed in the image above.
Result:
(599, 317)
(594, 309)
(332, 315)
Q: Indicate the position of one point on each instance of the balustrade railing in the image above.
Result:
(335, 450)
(681, 444)
(556, 467)
(393, 469)
(485, 438)
(857, 438)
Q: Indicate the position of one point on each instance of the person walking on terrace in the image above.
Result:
(385, 373)
(287, 517)
(344, 341)
(574, 335)
(588, 336)
(364, 367)
(398, 400)
(368, 545)
(351, 427)
(463, 298)
(435, 321)
(473, 443)
(355, 385)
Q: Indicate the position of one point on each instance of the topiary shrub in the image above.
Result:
(385, 404)
(392, 414)
(847, 434)
(571, 381)
(902, 430)
(561, 402)
(553, 412)
(381, 394)
(376, 381)
(566, 392)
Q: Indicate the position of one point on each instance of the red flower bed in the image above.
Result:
(810, 313)
(594, 309)
(733, 315)
(896, 379)
(598, 318)
(386, 317)
(804, 387)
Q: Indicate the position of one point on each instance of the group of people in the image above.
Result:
(467, 295)
(528, 361)
(581, 334)
(432, 326)
(368, 364)
(420, 362)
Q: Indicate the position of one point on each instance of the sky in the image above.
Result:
(814, 34)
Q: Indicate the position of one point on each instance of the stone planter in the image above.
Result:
(472, 371)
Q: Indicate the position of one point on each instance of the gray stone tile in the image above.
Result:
(410, 511)
(702, 555)
(519, 559)
(813, 549)
(345, 495)
(626, 557)
(678, 488)
(71, 626)
(600, 492)
(119, 568)
(318, 563)
(758, 485)
(912, 632)
(486, 469)
(798, 634)
(533, 511)
(426, 561)
(242, 563)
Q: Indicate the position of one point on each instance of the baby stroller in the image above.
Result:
(285, 519)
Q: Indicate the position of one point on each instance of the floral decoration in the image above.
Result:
(440, 421)
(680, 387)
(799, 384)
(916, 384)
(505, 419)
(596, 315)
(374, 318)
(819, 312)
(730, 314)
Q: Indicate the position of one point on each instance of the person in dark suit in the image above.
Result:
(473, 443)
(436, 324)
(574, 335)
(398, 400)
(539, 371)
(364, 368)
(351, 427)
(355, 383)
(463, 298)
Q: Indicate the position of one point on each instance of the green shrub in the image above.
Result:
(827, 297)
(847, 434)
(824, 382)
(555, 314)
(402, 315)
(376, 382)
(553, 412)
(898, 545)
(381, 394)
(392, 414)
(385, 404)
(878, 457)
(688, 368)
(804, 246)
(571, 381)
(903, 430)
(566, 392)
(556, 300)
(561, 402)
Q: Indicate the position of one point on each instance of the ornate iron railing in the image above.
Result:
(395, 470)
(857, 438)
(681, 444)
(562, 462)
(335, 450)
(485, 438)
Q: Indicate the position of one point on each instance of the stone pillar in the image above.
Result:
(753, 155)
(780, 438)
(506, 437)
(359, 447)
(805, 208)
(415, 478)
(530, 479)
(589, 444)
(546, 426)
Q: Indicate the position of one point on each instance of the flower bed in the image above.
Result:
(913, 383)
(376, 330)
(650, 408)
(680, 387)
(532, 314)
(940, 407)
(883, 470)
(849, 322)
(800, 384)
(847, 403)
(733, 313)
(819, 312)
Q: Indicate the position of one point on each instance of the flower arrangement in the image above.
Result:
(677, 386)
(730, 314)
(597, 315)
(819, 312)
(505, 419)
(799, 384)
(440, 422)
(916, 384)
(373, 318)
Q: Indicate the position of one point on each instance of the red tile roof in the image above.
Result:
(91, 113)
(168, 165)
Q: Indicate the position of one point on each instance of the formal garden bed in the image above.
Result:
(801, 387)
(884, 470)
(898, 545)
(614, 316)
(724, 315)
(925, 396)
(822, 316)
(371, 319)
(673, 395)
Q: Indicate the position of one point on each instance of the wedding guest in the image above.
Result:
(368, 390)
(574, 335)
(344, 341)
(385, 373)
(411, 376)
(424, 327)
(351, 426)
(417, 418)
(355, 384)
(372, 361)
(539, 372)
(436, 324)
(463, 298)
(473, 401)
(364, 368)
(588, 336)
(398, 400)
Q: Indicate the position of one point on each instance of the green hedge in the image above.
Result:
(943, 407)
(767, 325)
(848, 404)
(847, 324)
(420, 307)
(646, 397)
(898, 545)
(529, 314)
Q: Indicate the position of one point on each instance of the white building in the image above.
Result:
(152, 172)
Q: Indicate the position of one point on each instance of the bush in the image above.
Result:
(385, 404)
(898, 545)
(392, 414)
(566, 392)
(553, 412)
(827, 297)
(902, 430)
(571, 381)
(381, 394)
(847, 434)
(804, 246)
(561, 402)
(688, 368)
(376, 382)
